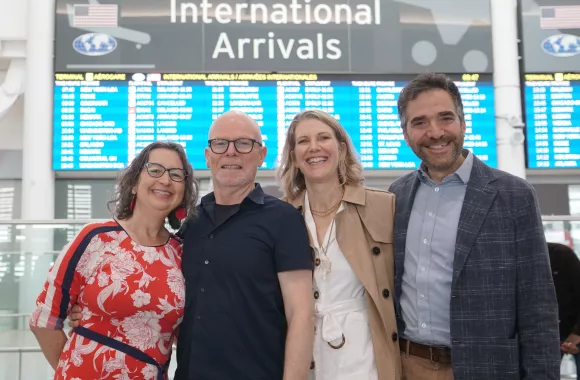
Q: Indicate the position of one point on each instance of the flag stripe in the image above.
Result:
(560, 17)
(95, 15)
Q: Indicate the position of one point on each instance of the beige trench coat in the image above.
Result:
(364, 233)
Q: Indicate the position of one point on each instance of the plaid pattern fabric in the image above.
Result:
(504, 313)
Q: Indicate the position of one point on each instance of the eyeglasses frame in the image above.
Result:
(235, 147)
(168, 170)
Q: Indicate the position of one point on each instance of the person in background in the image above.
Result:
(125, 276)
(248, 270)
(566, 273)
(351, 233)
(474, 291)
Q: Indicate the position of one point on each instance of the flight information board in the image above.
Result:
(552, 106)
(102, 120)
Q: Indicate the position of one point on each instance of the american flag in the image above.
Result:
(97, 15)
(560, 17)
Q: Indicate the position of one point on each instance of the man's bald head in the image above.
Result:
(232, 169)
(235, 122)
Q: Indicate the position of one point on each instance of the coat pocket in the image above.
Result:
(487, 358)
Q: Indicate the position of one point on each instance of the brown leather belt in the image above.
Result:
(440, 355)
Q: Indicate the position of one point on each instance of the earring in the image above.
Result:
(132, 204)
(180, 213)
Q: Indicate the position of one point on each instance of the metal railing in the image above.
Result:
(24, 317)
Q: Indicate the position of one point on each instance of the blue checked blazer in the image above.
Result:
(504, 313)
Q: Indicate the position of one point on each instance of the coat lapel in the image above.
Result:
(356, 250)
(404, 205)
(479, 197)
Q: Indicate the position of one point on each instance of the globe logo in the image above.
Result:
(94, 44)
(562, 45)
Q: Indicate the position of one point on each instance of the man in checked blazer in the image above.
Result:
(475, 298)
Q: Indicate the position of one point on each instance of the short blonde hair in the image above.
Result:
(291, 178)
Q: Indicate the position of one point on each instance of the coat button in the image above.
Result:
(316, 294)
(317, 261)
(376, 250)
(312, 364)
(394, 337)
(386, 293)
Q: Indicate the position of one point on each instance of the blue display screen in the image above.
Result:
(102, 120)
(552, 106)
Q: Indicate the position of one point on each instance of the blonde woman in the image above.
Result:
(351, 233)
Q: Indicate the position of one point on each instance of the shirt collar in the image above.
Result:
(463, 172)
(256, 196)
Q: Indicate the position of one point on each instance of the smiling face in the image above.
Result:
(317, 151)
(435, 132)
(234, 169)
(160, 194)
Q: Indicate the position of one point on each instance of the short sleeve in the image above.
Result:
(292, 245)
(63, 284)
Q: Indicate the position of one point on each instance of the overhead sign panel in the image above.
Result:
(347, 36)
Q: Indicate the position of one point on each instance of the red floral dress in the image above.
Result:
(134, 294)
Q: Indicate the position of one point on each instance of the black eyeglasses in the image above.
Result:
(157, 170)
(242, 145)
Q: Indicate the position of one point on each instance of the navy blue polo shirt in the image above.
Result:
(234, 327)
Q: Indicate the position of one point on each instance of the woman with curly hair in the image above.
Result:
(126, 276)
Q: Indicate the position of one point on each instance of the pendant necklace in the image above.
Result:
(325, 263)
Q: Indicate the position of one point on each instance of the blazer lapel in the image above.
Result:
(404, 205)
(479, 197)
(405, 196)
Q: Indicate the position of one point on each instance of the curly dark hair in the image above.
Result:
(129, 177)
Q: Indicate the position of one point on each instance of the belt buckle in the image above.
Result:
(340, 345)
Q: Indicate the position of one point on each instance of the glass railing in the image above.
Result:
(28, 249)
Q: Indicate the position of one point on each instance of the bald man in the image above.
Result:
(248, 271)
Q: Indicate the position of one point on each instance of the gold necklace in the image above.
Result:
(330, 210)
